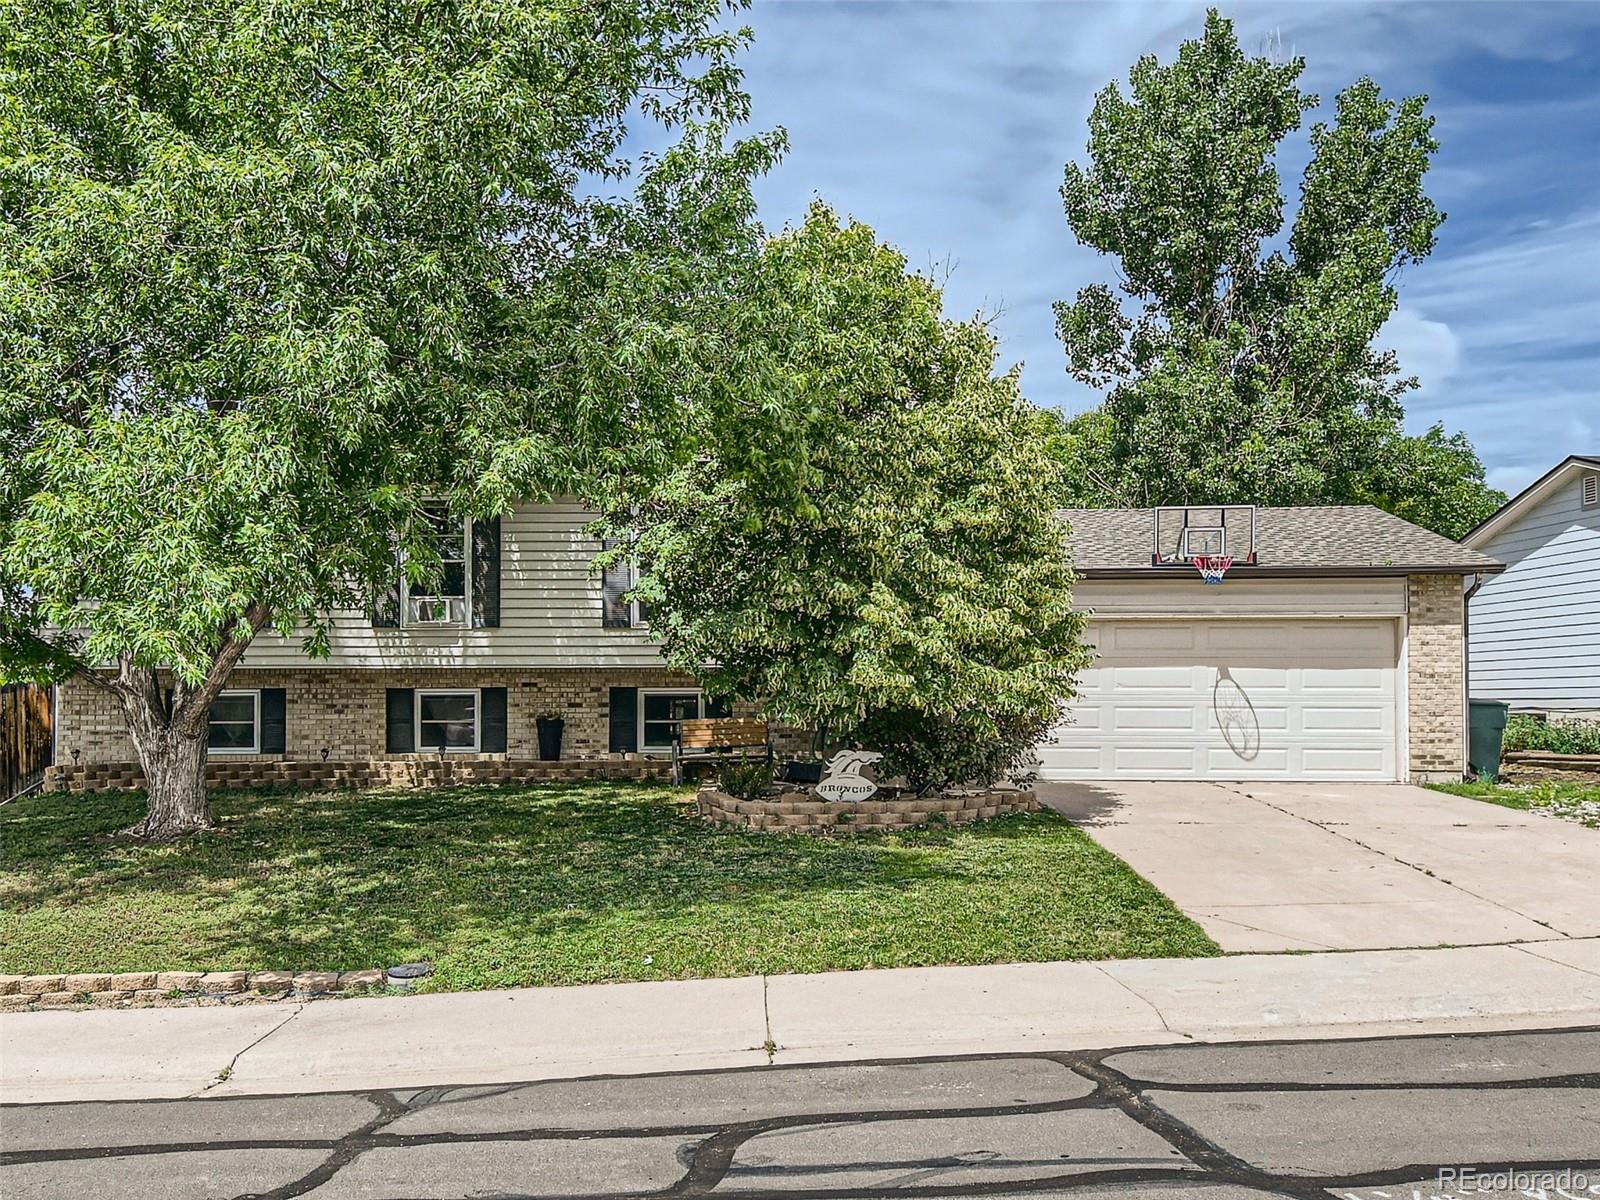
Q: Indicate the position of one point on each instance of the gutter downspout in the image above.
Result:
(1478, 579)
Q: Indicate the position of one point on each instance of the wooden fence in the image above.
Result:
(25, 737)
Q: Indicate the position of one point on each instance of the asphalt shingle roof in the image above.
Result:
(1328, 539)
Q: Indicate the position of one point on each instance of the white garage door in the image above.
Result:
(1241, 699)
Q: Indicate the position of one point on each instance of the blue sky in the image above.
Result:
(946, 126)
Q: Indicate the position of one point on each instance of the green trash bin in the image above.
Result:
(1486, 728)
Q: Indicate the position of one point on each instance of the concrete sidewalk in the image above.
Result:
(624, 1029)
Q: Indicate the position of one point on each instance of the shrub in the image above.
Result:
(935, 752)
(1524, 732)
(744, 778)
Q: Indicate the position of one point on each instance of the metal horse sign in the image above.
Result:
(843, 782)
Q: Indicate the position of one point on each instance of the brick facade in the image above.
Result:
(1435, 682)
(335, 729)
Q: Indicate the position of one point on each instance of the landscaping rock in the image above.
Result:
(271, 981)
(178, 981)
(317, 981)
(57, 1000)
(10, 985)
(224, 981)
(360, 979)
(15, 1002)
(40, 985)
(134, 980)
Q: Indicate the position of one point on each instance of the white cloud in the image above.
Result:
(1427, 349)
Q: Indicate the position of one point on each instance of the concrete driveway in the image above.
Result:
(1274, 867)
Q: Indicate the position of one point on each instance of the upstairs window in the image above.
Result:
(442, 600)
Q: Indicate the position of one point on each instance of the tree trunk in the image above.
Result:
(173, 755)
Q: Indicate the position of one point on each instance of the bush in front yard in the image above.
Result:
(1524, 732)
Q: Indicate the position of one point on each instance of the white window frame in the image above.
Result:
(255, 740)
(477, 720)
(407, 621)
(700, 712)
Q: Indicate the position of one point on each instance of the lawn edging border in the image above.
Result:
(801, 812)
(170, 989)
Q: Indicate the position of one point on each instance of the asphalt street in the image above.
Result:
(1354, 1120)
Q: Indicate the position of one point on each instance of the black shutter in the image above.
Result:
(401, 731)
(386, 605)
(486, 572)
(719, 706)
(624, 720)
(614, 582)
(492, 720)
(273, 739)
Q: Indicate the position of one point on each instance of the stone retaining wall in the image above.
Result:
(1531, 766)
(803, 812)
(416, 771)
(163, 989)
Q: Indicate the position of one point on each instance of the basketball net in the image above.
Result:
(1212, 567)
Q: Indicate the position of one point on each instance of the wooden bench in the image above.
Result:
(718, 737)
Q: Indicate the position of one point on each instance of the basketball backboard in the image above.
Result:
(1185, 532)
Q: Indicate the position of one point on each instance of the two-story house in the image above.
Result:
(518, 626)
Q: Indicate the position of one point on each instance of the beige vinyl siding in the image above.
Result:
(1185, 595)
(1535, 630)
(549, 613)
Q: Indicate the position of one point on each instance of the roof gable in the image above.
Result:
(1530, 497)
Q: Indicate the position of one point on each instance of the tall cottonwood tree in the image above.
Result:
(271, 274)
(1241, 363)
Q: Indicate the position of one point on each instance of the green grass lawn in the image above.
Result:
(552, 885)
(1575, 801)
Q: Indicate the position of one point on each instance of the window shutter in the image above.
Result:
(614, 583)
(719, 706)
(624, 720)
(492, 720)
(486, 573)
(399, 707)
(386, 605)
(273, 724)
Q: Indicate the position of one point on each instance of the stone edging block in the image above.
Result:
(171, 989)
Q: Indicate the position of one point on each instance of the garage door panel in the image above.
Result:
(1137, 717)
(1151, 635)
(1323, 718)
(1243, 699)
(1264, 764)
(1342, 762)
(1155, 759)
(1248, 637)
(1346, 678)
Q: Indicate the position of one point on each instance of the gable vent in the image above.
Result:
(1591, 490)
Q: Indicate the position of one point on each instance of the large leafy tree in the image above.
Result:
(271, 275)
(1241, 360)
(918, 598)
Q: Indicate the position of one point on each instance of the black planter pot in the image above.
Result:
(550, 738)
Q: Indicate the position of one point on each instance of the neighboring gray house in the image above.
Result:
(1534, 631)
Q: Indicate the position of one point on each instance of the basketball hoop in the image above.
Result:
(1212, 567)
